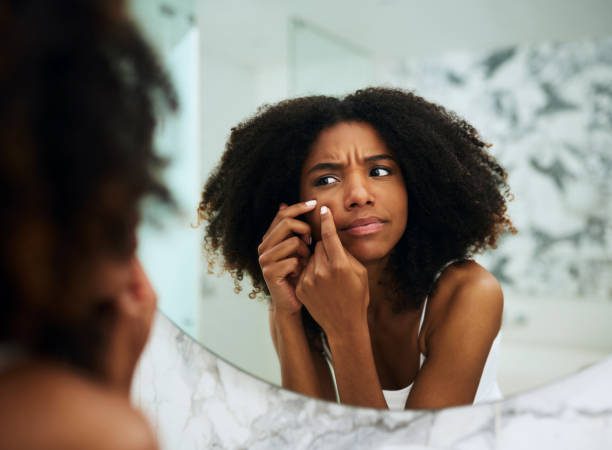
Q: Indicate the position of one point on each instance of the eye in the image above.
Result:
(326, 180)
(380, 172)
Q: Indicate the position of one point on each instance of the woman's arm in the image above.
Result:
(458, 344)
(302, 369)
(281, 257)
(355, 369)
(334, 288)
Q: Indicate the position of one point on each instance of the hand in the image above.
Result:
(282, 255)
(334, 285)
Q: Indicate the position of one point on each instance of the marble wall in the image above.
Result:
(547, 110)
(196, 400)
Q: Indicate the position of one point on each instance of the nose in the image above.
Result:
(357, 192)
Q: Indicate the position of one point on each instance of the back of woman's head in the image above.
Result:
(79, 93)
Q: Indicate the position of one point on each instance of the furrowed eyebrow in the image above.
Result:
(338, 166)
(383, 157)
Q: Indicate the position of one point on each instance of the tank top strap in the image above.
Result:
(433, 283)
(422, 319)
(327, 355)
(441, 271)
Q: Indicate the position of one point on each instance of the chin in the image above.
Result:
(368, 252)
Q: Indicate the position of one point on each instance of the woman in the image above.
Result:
(358, 216)
(79, 90)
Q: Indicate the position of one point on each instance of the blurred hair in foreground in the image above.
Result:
(80, 91)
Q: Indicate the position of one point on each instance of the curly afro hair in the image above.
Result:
(456, 190)
(80, 91)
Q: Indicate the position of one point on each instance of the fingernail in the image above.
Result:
(309, 240)
(310, 203)
(324, 210)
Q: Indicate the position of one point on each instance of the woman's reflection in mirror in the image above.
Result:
(358, 217)
(79, 94)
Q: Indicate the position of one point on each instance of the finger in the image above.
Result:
(319, 256)
(295, 210)
(309, 266)
(306, 274)
(329, 236)
(293, 246)
(287, 228)
(279, 271)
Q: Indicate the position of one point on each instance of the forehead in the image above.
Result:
(347, 139)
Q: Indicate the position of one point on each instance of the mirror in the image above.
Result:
(534, 78)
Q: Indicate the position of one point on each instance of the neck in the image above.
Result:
(379, 292)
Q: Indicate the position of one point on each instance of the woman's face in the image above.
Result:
(351, 171)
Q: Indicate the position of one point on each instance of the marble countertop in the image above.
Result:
(195, 400)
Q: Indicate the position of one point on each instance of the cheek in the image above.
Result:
(404, 208)
(312, 219)
(399, 204)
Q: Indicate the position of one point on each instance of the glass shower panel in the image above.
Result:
(171, 252)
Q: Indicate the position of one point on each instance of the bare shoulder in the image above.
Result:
(467, 295)
(469, 282)
(63, 409)
(462, 319)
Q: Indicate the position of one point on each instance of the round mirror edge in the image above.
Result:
(511, 397)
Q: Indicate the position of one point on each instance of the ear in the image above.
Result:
(135, 310)
(139, 298)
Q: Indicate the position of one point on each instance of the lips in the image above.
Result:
(362, 222)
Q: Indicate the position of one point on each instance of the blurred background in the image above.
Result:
(534, 77)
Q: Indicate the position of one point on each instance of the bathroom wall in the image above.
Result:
(547, 110)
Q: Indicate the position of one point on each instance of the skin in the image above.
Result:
(136, 304)
(74, 410)
(340, 284)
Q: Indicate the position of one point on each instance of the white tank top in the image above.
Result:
(488, 388)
